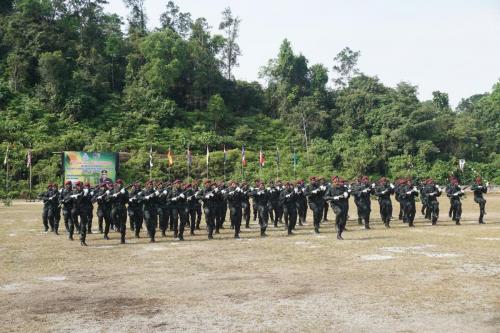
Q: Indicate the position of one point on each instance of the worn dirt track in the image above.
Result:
(425, 279)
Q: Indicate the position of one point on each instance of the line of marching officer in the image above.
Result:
(175, 206)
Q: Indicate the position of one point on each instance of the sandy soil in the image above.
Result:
(425, 279)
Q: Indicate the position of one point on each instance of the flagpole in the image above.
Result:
(207, 163)
(189, 164)
(294, 163)
(150, 161)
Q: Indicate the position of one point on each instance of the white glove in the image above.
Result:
(211, 194)
(346, 194)
(174, 199)
(73, 196)
(157, 192)
(487, 184)
(131, 199)
(315, 191)
(251, 188)
(296, 190)
(373, 185)
(223, 191)
(115, 195)
(60, 190)
(336, 197)
(85, 191)
(268, 188)
(231, 193)
(365, 190)
(304, 190)
(122, 191)
(207, 196)
(238, 189)
(92, 193)
(462, 191)
(182, 196)
(415, 189)
(287, 195)
(165, 192)
(216, 190)
(107, 192)
(383, 192)
(391, 185)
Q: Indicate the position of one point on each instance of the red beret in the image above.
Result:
(119, 181)
(68, 182)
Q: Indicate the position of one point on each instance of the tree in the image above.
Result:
(441, 100)
(137, 19)
(176, 20)
(216, 110)
(230, 25)
(346, 66)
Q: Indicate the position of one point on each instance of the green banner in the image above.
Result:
(95, 168)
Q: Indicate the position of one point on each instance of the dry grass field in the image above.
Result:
(444, 278)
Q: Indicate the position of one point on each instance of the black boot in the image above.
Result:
(82, 243)
(106, 237)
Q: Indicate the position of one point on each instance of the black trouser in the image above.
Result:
(90, 216)
(433, 209)
(163, 218)
(278, 212)
(74, 218)
(219, 219)
(57, 218)
(340, 218)
(425, 208)
(456, 210)
(224, 211)
(192, 218)
(174, 220)
(482, 205)
(84, 221)
(198, 215)
(409, 211)
(119, 218)
(48, 218)
(209, 219)
(385, 210)
(135, 216)
(290, 215)
(235, 214)
(325, 211)
(263, 213)
(302, 210)
(364, 210)
(104, 214)
(317, 209)
(68, 221)
(183, 220)
(246, 213)
(150, 218)
(255, 210)
(400, 215)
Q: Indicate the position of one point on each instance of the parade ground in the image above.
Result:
(443, 278)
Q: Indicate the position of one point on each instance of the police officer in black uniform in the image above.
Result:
(209, 206)
(149, 199)
(261, 197)
(454, 193)
(479, 189)
(135, 209)
(383, 192)
(362, 193)
(337, 195)
(235, 197)
(288, 200)
(315, 193)
(49, 198)
(407, 194)
(432, 191)
(119, 198)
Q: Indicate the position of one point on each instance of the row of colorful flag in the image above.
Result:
(189, 157)
(28, 157)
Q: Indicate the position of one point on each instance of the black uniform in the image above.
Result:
(197, 206)
(479, 190)
(275, 210)
(301, 204)
(163, 209)
(245, 206)
(425, 204)
(454, 192)
(209, 205)
(179, 212)
(50, 203)
(383, 192)
(191, 203)
(135, 210)
(431, 192)
(338, 197)
(103, 210)
(118, 199)
(149, 200)
(261, 197)
(235, 198)
(314, 194)
(407, 195)
(66, 201)
(288, 200)
(362, 194)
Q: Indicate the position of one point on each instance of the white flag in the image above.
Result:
(150, 157)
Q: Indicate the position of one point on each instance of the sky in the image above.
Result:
(447, 45)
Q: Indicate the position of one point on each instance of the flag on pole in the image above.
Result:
(262, 158)
(243, 156)
(150, 156)
(294, 158)
(28, 159)
(6, 156)
(277, 155)
(208, 154)
(170, 157)
(225, 154)
(189, 157)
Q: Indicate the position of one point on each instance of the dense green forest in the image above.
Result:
(73, 77)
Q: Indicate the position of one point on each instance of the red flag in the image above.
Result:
(243, 157)
(170, 157)
(262, 158)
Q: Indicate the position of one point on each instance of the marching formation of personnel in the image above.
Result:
(175, 206)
